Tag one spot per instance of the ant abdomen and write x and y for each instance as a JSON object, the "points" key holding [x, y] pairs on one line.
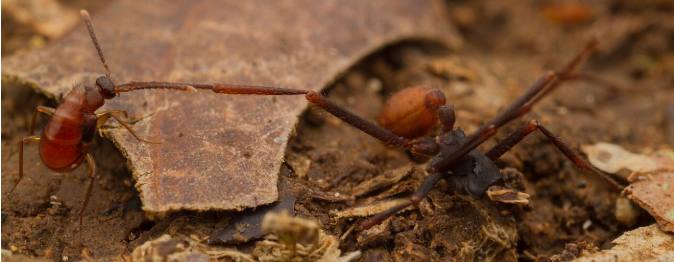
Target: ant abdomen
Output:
{"points": [[60, 146], [411, 112]]}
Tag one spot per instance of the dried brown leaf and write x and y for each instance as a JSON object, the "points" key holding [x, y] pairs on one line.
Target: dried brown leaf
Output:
{"points": [[656, 197]]}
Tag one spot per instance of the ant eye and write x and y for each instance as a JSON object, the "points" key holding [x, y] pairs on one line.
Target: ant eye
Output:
{"points": [[107, 88]]}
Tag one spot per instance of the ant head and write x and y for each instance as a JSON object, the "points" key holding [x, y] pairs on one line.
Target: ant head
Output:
{"points": [[106, 87]]}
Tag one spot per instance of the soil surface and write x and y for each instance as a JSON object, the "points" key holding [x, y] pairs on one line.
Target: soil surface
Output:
{"points": [[508, 45]]}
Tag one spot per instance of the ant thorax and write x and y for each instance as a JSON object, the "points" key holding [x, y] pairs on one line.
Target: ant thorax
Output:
{"points": [[93, 99], [473, 173]]}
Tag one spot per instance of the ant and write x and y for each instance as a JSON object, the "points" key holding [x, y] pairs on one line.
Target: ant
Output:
{"points": [[66, 138], [414, 111]]}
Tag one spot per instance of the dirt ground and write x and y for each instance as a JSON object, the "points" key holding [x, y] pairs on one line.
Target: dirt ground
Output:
{"points": [[507, 46]]}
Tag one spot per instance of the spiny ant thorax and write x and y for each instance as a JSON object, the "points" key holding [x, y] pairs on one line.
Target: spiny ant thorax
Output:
{"points": [[474, 173]]}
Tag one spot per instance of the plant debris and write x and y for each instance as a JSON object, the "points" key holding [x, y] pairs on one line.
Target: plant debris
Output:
{"points": [[248, 225], [571, 251], [166, 248], [387, 179], [653, 192], [643, 244], [507, 195], [612, 158], [375, 208], [300, 239], [657, 197]]}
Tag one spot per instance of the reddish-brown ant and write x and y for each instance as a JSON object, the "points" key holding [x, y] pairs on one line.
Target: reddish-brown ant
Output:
{"points": [[65, 141]]}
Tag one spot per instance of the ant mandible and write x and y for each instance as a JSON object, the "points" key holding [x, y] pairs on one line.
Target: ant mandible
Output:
{"points": [[414, 111]]}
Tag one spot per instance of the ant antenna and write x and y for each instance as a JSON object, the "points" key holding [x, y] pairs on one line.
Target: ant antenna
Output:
{"points": [[87, 21]]}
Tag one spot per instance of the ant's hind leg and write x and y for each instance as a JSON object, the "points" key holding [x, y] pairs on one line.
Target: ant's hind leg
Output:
{"points": [[43, 109], [416, 198], [107, 115], [531, 126], [92, 174], [23, 141]]}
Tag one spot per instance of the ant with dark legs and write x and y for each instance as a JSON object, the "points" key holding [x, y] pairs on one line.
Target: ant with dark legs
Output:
{"points": [[414, 111]]}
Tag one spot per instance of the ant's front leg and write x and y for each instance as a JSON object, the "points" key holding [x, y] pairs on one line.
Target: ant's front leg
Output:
{"points": [[104, 116], [531, 126]]}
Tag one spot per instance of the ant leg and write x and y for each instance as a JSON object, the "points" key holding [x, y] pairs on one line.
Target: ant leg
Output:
{"points": [[529, 127], [23, 141], [92, 174], [105, 116], [515, 137], [357, 121], [114, 112], [100, 119], [43, 109], [416, 198], [542, 87]]}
